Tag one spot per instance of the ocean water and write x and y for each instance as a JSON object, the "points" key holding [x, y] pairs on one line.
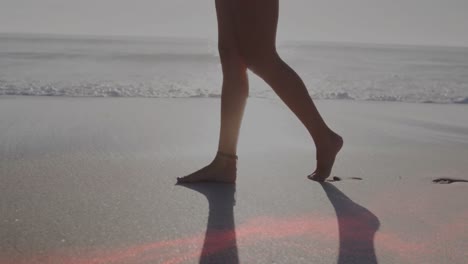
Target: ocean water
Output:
{"points": [[35, 65]]}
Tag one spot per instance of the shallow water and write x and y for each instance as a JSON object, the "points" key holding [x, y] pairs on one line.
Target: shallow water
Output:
{"points": [[90, 66]]}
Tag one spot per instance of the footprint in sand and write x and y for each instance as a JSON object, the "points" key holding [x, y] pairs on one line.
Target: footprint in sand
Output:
{"points": [[447, 180], [336, 178]]}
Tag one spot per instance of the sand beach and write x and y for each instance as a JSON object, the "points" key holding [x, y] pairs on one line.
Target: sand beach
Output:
{"points": [[92, 180]]}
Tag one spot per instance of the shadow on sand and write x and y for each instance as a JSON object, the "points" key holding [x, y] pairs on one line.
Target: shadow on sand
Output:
{"points": [[220, 245], [357, 227]]}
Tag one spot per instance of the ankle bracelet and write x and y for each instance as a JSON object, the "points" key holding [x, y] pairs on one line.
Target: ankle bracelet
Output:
{"points": [[225, 155]]}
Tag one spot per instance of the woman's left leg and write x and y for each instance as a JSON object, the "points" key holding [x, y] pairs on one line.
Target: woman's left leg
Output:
{"points": [[256, 23]]}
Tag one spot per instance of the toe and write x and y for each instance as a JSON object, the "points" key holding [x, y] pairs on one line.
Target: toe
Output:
{"points": [[185, 179], [316, 176]]}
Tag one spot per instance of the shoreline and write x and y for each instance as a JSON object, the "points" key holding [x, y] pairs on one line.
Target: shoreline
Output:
{"points": [[462, 102]]}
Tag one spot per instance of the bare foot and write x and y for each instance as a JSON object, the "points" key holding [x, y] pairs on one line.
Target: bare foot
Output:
{"points": [[326, 158], [222, 169]]}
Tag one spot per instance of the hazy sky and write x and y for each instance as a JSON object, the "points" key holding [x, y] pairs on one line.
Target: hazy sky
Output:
{"points": [[428, 22]]}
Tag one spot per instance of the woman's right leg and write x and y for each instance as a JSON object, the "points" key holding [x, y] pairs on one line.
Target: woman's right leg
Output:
{"points": [[235, 88], [233, 100]]}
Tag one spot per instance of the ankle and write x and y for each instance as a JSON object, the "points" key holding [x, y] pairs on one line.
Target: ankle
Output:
{"points": [[225, 160], [226, 155]]}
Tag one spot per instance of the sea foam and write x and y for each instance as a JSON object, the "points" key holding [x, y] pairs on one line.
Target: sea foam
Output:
{"points": [[175, 68]]}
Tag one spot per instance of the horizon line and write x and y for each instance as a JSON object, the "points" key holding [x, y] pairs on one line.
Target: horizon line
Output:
{"points": [[207, 39]]}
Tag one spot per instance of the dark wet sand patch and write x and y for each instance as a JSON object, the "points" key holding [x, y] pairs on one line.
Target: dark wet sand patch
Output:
{"points": [[447, 180], [336, 178]]}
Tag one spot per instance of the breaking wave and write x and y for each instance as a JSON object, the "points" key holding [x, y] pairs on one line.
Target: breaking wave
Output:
{"points": [[180, 68], [174, 90]]}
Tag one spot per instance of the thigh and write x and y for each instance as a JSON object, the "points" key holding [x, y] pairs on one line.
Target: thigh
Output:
{"points": [[256, 24], [227, 36]]}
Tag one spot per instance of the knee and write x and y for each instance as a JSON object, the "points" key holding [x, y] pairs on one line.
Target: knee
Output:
{"points": [[230, 55], [262, 63]]}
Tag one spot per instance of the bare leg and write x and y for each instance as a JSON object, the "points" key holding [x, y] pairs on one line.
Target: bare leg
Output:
{"points": [[235, 88], [256, 22], [233, 100]]}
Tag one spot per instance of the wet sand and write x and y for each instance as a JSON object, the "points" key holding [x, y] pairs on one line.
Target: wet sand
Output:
{"points": [[92, 180]]}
